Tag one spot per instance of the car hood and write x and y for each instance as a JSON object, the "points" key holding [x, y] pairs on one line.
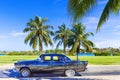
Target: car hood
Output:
{"points": [[27, 61]]}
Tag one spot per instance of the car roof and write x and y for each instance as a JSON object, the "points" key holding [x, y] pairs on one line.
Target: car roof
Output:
{"points": [[52, 54]]}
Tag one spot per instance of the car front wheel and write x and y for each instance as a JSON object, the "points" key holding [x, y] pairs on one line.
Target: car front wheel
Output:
{"points": [[70, 73], [25, 72]]}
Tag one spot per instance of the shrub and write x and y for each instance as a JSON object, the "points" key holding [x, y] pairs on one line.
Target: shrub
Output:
{"points": [[105, 53], [55, 51], [25, 53], [116, 53]]}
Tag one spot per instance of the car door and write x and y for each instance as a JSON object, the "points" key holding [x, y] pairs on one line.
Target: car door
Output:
{"points": [[57, 63], [45, 63]]}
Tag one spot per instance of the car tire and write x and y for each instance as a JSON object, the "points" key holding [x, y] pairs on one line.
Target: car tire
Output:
{"points": [[70, 73], [25, 72]]}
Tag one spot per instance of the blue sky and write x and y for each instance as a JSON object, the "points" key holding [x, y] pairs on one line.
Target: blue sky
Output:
{"points": [[14, 14]]}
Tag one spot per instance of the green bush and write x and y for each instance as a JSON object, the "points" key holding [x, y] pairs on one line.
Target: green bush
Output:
{"points": [[55, 51], [116, 53], [25, 53], [15, 53], [98, 53], [107, 53]]}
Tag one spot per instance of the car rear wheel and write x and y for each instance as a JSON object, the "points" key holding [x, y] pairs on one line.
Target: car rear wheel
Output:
{"points": [[70, 73], [25, 72]]}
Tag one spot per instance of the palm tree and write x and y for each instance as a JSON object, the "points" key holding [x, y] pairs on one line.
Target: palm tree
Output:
{"points": [[79, 38], [78, 8], [38, 33], [62, 35]]}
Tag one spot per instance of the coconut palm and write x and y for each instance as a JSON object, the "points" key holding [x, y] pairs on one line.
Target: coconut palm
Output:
{"points": [[79, 38], [62, 35], [78, 8], [38, 33]]}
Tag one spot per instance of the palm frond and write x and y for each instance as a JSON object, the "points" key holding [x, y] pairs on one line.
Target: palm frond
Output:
{"points": [[56, 38], [113, 6], [74, 48], [58, 44], [86, 35], [45, 40], [29, 36], [70, 42], [39, 32], [44, 20], [27, 29], [33, 42], [78, 38], [48, 27], [91, 43], [78, 8], [87, 46], [32, 24]]}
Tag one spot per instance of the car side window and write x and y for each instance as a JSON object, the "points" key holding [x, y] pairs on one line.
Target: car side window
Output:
{"points": [[46, 58], [56, 58]]}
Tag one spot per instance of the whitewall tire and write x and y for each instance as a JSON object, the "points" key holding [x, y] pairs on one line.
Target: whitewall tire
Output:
{"points": [[70, 73], [25, 72]]}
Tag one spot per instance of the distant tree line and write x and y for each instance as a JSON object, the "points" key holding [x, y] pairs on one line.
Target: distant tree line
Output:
{"points": [[96, 51]]}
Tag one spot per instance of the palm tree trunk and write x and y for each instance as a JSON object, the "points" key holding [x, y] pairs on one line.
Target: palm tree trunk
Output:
{"points": [[74, 48], [78, 50], [64, 45], [40, 45]]}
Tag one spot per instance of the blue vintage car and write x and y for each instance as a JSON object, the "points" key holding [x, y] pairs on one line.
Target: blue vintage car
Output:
{"points": [[51, 62]]}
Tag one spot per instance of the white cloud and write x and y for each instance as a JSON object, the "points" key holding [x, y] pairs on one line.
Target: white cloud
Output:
{"points": [[3, 36], [91, 20], [117, 33], [91, 23], [117, 27], [116, 30], [11, 34], [18, 34], [108, 43]]}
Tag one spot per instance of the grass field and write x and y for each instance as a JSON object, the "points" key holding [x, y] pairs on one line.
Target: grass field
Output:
{"points": [[97, 60]]}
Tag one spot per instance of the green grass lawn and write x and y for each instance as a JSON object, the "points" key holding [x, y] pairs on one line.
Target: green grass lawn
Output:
{"points": [[97, 60], [101, 60]]}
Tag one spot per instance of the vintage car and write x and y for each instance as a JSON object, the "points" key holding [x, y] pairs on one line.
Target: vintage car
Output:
{"points": [[51, 62]]}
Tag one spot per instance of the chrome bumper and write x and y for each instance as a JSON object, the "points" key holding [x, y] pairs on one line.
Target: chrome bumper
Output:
{"points": [[15, 69]]}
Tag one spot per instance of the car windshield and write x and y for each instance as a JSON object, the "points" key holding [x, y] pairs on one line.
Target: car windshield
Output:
{"points": [[38, 58], [67, 59]]}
